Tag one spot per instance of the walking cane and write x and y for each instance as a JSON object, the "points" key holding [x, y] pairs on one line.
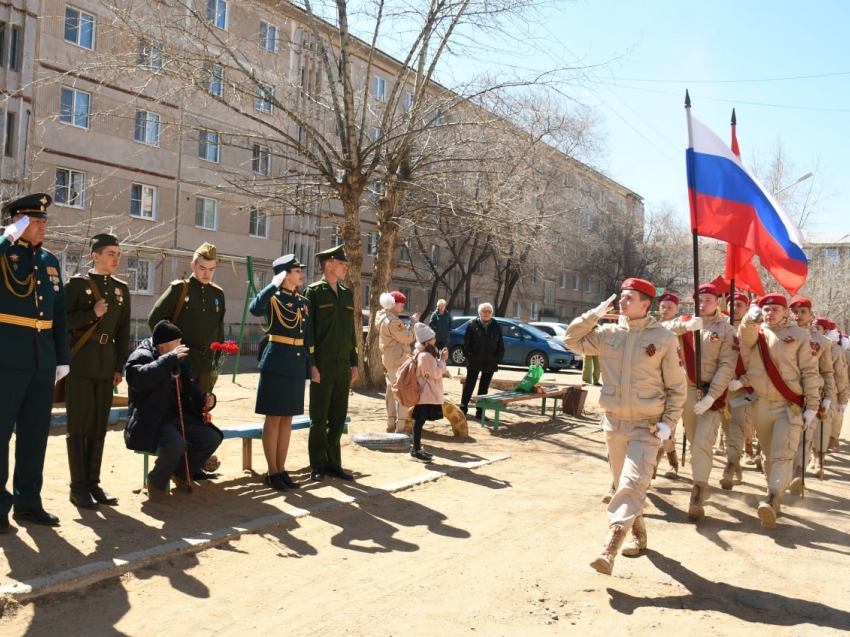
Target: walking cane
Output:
{"points": [[821, 455], [183, 433]]}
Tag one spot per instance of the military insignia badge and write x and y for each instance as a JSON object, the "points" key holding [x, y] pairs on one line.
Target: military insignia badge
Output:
{"points": [[815, 347], [400, 325], [216, 305], [788, 339], [88, 290], [14, 258], [650, 349], [714, 337], [681, 359], [736, 344], [186, 300]]}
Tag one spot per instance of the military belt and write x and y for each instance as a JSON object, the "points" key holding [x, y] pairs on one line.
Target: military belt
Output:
{"points": [[39, 324], [101, 339], [286, 340]]}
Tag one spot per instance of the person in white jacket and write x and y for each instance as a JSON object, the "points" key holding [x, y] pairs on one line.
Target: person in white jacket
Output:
{"points": [[395, 340]]}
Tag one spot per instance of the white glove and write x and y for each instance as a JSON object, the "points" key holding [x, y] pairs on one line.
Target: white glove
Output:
{"points": [[693, 324], [735, 384], [841, 408], [834, 336], [825, 403], [606, 306], [663, 431], [62, 371], [754, 312], [16, 229], [845, 342], [704, 405], [809, 416], [278, 279]]}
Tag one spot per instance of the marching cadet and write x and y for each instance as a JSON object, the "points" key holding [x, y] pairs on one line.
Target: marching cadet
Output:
{"points": [[829, 427], [396, 345], [196, 306], [668, 307], [36, 354], [783, 371], [98, 307], [334, 366], [801, 312], [643, 396]]}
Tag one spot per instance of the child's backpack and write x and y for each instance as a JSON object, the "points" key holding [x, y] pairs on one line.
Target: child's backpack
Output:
{"points": [[406, 385]]}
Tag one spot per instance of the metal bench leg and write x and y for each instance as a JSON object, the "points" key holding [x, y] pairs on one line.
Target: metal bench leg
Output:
{"points": [[145, 470], [543, 408], [246, 454], [496, 420]]}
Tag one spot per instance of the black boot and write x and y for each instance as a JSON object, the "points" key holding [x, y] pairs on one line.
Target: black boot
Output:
{"points": [[95, 458], [80, 495]]}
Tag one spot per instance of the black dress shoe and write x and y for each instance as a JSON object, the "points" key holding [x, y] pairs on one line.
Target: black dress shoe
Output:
{"points": [[289, 481], [4, 523], [39, 516], [317, 475], [203, 474], [339, 472], [275, 481]]}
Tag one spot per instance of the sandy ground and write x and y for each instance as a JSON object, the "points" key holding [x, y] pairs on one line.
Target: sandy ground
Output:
{"points": [[499, 550]]}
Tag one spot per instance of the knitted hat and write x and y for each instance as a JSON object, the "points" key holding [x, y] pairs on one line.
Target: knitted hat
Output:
{"points": [[165, 332], [423, 333], [387, 301]]}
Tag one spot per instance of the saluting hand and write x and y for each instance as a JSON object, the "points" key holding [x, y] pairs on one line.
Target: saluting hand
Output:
{"points": [[100, 308], [606, 306]]}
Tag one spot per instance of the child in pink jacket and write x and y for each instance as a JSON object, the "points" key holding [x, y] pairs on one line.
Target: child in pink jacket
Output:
{"points": [[430, 367]]}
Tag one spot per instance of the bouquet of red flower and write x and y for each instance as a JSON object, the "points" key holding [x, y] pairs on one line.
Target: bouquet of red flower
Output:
{"points": [[221, 351]]}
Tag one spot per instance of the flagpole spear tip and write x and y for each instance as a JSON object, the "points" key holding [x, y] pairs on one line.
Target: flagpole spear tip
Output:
{"points": [[734, 119], [687, 99]]}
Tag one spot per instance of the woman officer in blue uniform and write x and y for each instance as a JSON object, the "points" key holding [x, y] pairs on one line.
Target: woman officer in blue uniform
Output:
{"points": [[285, 364]]}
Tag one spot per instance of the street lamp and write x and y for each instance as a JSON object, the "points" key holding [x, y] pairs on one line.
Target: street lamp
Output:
{"points": [[803, 178]]}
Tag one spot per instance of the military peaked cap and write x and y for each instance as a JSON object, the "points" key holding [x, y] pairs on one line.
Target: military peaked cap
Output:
{"points": [[33, 205], [337, 253]]}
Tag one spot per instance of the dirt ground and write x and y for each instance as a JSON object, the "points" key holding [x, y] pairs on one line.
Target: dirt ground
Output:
{"points": [[503, 549]]}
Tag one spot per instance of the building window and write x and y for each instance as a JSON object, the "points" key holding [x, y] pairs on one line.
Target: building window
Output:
{"points": [[575, 282], [336, 236], [535, 275], [74, 107], [268, 36], [209, 145], [549, 293], [832, 255], [404, 253], [587, 284], [438, 117], [151, 56], [376, 134], [212, 80], [206, 213], [562, 281], [14, 39], [263, 96], [139, 278], [143, 201], [379, 88], [70, 264], [70, 188], [589, 220], [575, 253], [434, 254], [217, 13], [260, 163], [407, 296], [372, 244], [516, 310], [376, 191], [534, 311], [366, 296], [79, 28], [258, 226], [9, 135], [476, 301], [599, 286], [262, 279], [408, 102], [147, 128]]}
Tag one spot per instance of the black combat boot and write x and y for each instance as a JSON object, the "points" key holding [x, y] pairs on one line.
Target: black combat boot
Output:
{"points": [[95, 459]]}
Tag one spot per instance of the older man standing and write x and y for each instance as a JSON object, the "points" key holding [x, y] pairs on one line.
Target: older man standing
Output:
{"points": [[643, 397], [395, 340], [441, 323]]}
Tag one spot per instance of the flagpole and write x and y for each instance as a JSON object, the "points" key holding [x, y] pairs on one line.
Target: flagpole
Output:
{"points": [[692, 196], [734, 252]]}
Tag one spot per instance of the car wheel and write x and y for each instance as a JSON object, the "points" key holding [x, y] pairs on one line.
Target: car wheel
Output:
{"points": [[538, 358], [456, 356]]}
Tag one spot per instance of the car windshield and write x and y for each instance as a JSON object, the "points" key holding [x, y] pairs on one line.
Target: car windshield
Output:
{"points": [[537, 332]]}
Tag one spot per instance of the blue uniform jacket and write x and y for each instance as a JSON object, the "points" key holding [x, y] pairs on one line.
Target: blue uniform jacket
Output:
{"points": [[287, 315]]}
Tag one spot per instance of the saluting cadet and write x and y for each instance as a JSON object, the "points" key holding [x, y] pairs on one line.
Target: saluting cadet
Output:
{"points": [[824, 435], [783, 371], [643, 396], [395, 340], [285, 364], [334, 363], [98, 307], [36, 355], [196, 306]]}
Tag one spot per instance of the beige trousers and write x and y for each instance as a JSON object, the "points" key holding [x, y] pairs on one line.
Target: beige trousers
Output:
{"points": [[701, 432], [739, 424], [779, 430], [837, 422], [396, 412]]}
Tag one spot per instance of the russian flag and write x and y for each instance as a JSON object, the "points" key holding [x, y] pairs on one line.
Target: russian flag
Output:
{"points": [[728, 203]]}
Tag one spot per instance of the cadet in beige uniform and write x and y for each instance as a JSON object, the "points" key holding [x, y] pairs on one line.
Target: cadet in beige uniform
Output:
{"points": [[668, 307], [824, 433], [839, 419], [785, 378], [642, 396], [395, 340]]}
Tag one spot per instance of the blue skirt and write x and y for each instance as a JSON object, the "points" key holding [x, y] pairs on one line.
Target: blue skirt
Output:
{"points": [[279, 395]]}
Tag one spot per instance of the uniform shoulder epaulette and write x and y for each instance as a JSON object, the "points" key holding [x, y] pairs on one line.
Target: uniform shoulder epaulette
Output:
{"points": [[79, 275], [315, 284], [216, 286], [176, 281], [117, 280], [50, 253]]}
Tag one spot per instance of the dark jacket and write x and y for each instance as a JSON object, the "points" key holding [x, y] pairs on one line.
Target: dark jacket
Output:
{"points": [[483, 346], [152, 396], [442, 325]]}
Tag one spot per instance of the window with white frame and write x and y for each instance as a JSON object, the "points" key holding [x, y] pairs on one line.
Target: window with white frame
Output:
{"points": [[376, 191], [587, 284], [376, 133], [74, 107], [408, 296], [379, 88], [258, 225], [143, 201], [151, 55], [372, 244], [262, 279], [833, 255], [79, 27], [562, 281], [70, 188], [139, 275], [260, 163], [147, 128], [408, 102], [476, 301], [549, 293], [336, 236], [366, 296], [212, 80], [516, 309], [438, 117], [206, 213], [209, 145], [434, 254], [534, 311], [70, 264], [14, 43], [217, 13], [9, 135], [575, 282], [268, 36], [404, 253], [263, 97]]}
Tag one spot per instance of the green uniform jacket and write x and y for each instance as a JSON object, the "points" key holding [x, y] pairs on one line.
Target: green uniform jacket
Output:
{"points": [[332, 324], [27, 347], [201, 318], [285, 359], [102, 357]]}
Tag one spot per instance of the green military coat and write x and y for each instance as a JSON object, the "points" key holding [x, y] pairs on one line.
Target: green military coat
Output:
{"points": [[332, 324]]}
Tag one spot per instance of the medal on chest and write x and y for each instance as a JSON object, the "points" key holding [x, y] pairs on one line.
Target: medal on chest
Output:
{"points": [[216, 305]]}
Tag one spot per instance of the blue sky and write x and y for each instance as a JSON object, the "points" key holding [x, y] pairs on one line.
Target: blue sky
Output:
{"points": [[721, 51]]}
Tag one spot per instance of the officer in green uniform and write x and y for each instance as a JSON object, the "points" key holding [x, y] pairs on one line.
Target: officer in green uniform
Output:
{"points": [[196, 306], [334, 362], [98, 307], [35, 354]]}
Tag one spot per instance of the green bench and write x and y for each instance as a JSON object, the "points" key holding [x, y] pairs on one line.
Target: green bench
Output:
{"points": [[502, 400]]}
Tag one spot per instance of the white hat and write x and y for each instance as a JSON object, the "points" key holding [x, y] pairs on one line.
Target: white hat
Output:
{"points": [[423, 333], [387, 301]]}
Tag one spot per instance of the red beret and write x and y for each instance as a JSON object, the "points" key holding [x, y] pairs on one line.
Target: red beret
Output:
{"points": [[832, 324], [801, 301], [823, 322], [773, 299], [398, 297], [640, 285], [740, 296], [669, 296], [708, 288]]}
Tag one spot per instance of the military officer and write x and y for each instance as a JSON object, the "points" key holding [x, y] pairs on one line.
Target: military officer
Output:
{"points": [[395, 340], [334, 362], [98, 306], [642, 397], [783, 371], [196, 306], [824, 436], [35, 354]]}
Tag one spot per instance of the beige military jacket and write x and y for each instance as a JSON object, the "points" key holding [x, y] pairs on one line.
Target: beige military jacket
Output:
{"points": [[395, 339], [641, 367], [719, 351], [822, 347], [842, 386], [791, 349]]}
